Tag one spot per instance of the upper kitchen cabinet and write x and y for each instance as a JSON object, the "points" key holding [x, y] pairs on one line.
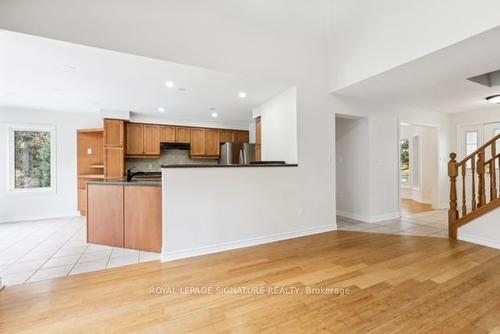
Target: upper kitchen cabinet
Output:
{"points": [[183, 135], [151, 144], [143, 139], [241, 137], [226, 136], [114, 152], [205, 143], [113, 133], [198, 142], [212, 143], [167, 134]]}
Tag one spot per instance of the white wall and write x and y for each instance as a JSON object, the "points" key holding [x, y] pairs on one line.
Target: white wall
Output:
{"points": [[208, 210], [351, 168], [427, 189], [64, 201], [483, 231], [279, 127], [278, 40], [370, 37], [383, 150]]}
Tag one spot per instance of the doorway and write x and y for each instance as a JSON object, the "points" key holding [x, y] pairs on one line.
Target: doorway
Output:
{"points": [[418, 172]]}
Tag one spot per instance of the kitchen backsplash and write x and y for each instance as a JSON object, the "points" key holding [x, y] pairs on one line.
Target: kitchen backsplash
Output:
{"points": [[167, 157]]}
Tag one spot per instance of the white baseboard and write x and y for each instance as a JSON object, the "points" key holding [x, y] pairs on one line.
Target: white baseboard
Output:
{"points": [[369, 219], [479, 240], [217, 248], [17, 219]]}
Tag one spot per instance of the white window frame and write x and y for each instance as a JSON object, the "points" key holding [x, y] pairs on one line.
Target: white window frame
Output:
{"points": [[410, 158], [11, 184]]}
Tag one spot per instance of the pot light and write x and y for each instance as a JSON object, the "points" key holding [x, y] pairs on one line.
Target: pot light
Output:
{"points": [[242, 95], [215, 115], [169, 84], [494, 99], [162, 110]]}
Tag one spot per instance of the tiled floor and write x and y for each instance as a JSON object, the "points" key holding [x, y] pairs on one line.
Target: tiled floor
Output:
{"points": [[430, 224], [38, 250]]}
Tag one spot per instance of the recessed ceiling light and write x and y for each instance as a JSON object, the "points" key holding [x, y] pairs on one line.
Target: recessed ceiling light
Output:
{"points": [[494, 99], [162, 110], [242, 95], [169, 84], [215, 115], [69, 67]]}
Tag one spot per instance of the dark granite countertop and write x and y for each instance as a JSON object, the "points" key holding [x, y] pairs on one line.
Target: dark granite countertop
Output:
{"points": [[228, 166], [131, 183]]}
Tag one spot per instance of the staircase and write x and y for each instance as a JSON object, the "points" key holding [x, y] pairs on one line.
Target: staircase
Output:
{"points": [[477, 178]]}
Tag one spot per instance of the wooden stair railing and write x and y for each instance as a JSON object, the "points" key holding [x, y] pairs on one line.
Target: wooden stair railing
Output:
{"points": [[482, 164]]}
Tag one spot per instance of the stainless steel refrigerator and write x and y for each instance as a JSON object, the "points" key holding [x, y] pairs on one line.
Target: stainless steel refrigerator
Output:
{"points": [[233, 154]]}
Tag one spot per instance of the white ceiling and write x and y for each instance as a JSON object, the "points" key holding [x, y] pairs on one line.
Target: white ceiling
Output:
{"points": [[438, 81], [48, 74]]}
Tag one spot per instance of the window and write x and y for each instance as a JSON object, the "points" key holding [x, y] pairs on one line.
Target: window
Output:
{"points": [[31, 159], [471, 144], [405, 162]]}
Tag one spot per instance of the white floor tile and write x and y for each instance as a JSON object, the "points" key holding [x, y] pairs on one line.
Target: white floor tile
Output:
{"points": [[88, 267], [61, 261], [122, 261], [66, 251], [95, 256], [147, 256], [50, 273], [21, 267], [13, 279], [97, 248], [119, 252]]}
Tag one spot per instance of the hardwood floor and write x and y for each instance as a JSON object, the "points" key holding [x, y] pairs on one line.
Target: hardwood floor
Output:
{"points": [[397, 284], [411, 207]]}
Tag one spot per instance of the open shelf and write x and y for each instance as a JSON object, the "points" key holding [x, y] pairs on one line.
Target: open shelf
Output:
{"points": [[91, 176]]}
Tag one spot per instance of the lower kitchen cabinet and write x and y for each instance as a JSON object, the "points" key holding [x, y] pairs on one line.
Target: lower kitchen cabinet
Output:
{"points": [[127, 216], [142, 218], [105, 214]]}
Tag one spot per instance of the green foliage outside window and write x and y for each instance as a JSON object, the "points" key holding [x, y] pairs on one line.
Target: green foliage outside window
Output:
{"points": [[32, 159]]}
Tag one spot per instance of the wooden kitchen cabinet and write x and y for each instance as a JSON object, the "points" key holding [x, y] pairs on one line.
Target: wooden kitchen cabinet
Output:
{"points": [[226, 136], [114, 162], [105, 214], [151, 140], [198, 142], [127, 216], [135, 133], [183, 135], [114, 132], [167, 134], [143, 139], [212, 143], [142, 218], [241, 137]]}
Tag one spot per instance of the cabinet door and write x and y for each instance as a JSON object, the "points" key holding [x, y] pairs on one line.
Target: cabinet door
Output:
{"points": [[258, 153], [198, 142], [142, 218], [151, 144], [114, 162], [226, 136], [113, 132], [241, 137], [258, 131], [183, 135], [213, 144], [105, 215], [167, 134], [135, 139]]}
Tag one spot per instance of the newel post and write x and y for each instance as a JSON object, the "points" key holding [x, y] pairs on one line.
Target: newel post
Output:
{"points": [[453, 212]]}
